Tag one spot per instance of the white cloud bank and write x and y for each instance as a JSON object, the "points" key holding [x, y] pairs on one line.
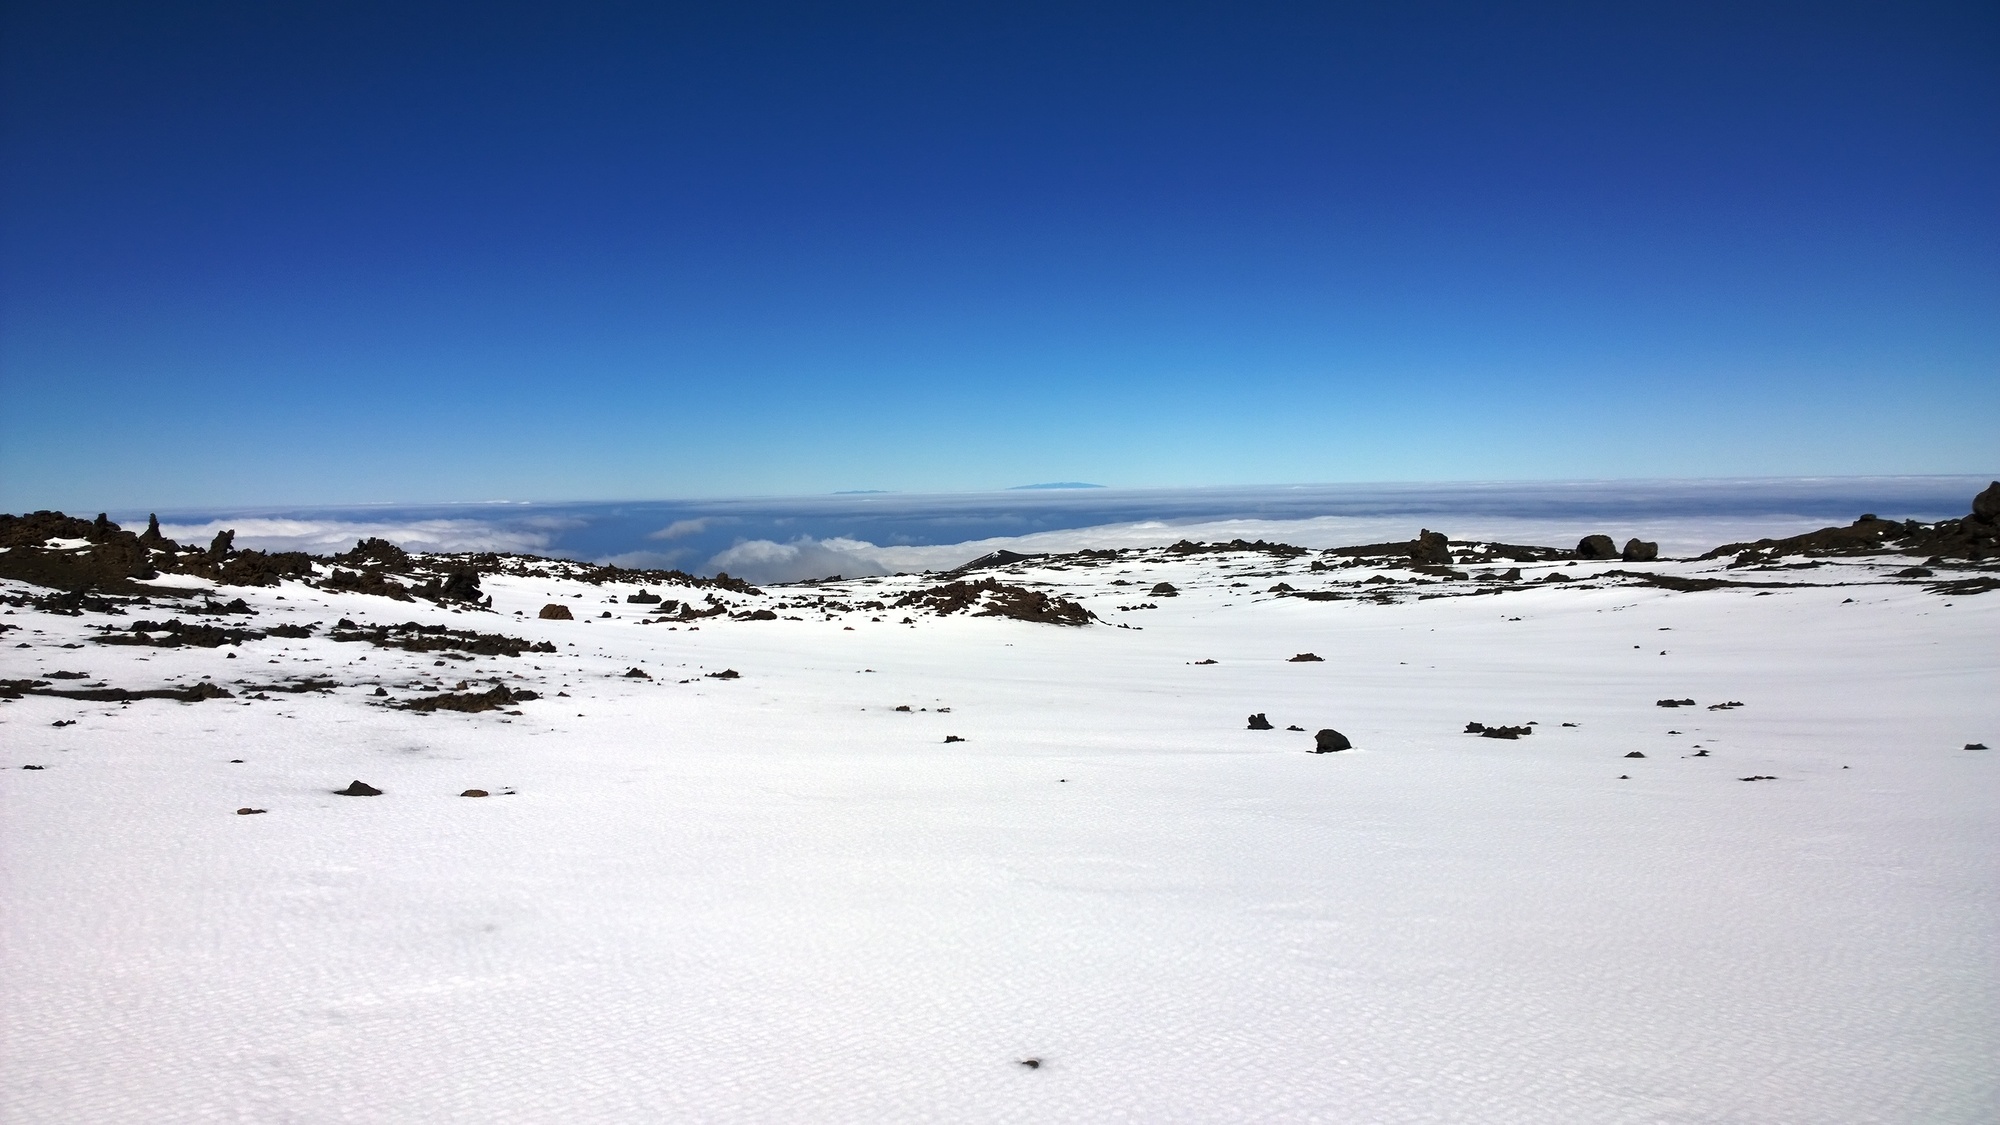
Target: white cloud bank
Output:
{"points": [[322, 537], [767, 561]]}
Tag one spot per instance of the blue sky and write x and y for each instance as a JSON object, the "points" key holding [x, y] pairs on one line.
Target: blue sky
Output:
{"points": [[344, 253]]}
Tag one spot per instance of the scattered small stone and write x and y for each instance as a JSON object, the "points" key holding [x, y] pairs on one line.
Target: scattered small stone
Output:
{"points": [[1758, 777], [1032, 1064], [1729, 706], [726, 674], [1296, 727], [1701, 753], [1975, 746], [1204, 662], [63, 723], [1569, 724], [34, 767], [1624, 777], [359, 789], [1305, 658], [1164, 590], [248, 812], [637, 674], [1673, 703], [380, 692], [1259, 722], [902, 707], [1330, 741], [1635, 754], [475, 793], [949, 738]]}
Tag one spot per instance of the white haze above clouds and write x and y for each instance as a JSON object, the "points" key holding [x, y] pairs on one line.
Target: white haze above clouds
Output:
{"points": [[767, 561], [321, 537]]}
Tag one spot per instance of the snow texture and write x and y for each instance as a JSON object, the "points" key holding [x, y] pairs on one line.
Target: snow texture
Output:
{"points": [[783, 898]]}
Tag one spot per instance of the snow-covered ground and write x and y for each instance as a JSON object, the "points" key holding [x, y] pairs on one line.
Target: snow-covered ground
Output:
{"points": [[780, 897]]}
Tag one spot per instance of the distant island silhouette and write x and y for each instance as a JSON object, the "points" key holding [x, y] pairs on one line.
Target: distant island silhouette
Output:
{"points": [[1054, 484]]}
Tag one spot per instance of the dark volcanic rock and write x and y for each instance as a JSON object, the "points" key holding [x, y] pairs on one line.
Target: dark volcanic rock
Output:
{"points": [[465, 702], [1638, 550], [1305, 658], [1259, 722], [1164, 590], [1596, 547], [1635, 754], [1673, 703], [643, 597], [474, 793], [997, 600], [1508, 733], [726, 674], [359, 788], [1430, 548], [1986, 505], [637, 674], [554, 612], [413, 637], [1330, 741]]}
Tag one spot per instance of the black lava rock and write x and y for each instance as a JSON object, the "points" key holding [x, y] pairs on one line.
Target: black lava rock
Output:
{"points": [[1259, 722], [359, 789], [1330, 741]]}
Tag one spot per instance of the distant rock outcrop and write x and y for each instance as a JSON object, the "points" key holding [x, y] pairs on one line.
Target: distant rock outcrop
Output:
{"points": [[1596, 547], [1430, 548], [1330, 741], [1638, 550]]}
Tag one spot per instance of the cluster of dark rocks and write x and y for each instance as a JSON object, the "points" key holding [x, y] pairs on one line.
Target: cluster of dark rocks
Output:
{"points": [[989, 597]]}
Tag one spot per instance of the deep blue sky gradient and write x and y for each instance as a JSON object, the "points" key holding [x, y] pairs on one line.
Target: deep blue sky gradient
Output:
{"points": [[316, 253]]}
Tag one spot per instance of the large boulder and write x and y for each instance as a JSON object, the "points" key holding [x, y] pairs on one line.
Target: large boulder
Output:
{"points": [[1430, 548], [1638, 550], [555, 612], [1596, 547], [1330, 741], [1986, 505]]}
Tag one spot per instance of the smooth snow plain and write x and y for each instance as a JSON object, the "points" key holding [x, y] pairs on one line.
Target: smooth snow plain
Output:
{"points": [[781, 899]]}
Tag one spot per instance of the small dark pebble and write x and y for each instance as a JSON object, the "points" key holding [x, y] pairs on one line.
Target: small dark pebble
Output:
{"points": [[1968, 746], [235, 761], [726, 674], [63, 723], [34, 767], [1701, 753], [1758, 777], [474, 793], [1635, 754], [359, 789], [1673, 703], [1296, 727], [953, 738], [381, 691], [1032, 1064], [1259, 722], [1305, 658], [248, 812], [1624, 777]]}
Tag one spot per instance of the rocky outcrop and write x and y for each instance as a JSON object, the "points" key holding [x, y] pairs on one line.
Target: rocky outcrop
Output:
{"points": [[1638, 550], [1430, 548], [1596, 547]]}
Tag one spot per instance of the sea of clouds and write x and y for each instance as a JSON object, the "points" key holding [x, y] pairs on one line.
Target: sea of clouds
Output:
{"points": [[771, 540]]}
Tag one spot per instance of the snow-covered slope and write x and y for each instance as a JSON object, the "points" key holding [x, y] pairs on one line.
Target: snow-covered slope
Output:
{"points": [[790, 895]]}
